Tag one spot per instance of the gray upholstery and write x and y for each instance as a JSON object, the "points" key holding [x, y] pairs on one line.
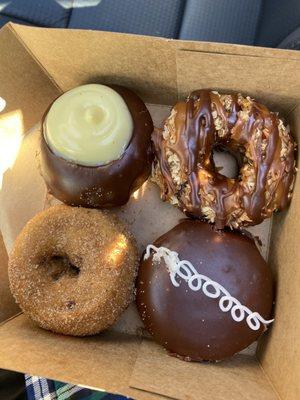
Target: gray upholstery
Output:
{"points": [[39, 12], [146, 17], [260, 22], [4, 20], [233, 21], [292, 41], [279, 18]]}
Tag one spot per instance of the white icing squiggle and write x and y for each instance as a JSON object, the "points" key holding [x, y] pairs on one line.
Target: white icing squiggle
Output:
{"points": [[186, 271]]}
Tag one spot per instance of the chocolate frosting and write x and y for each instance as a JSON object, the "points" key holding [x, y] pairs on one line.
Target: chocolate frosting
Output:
{"points": [[258, 137], [188, 323], [104, 185]]}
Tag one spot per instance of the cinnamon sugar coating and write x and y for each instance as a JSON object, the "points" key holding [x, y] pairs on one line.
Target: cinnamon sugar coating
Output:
{"points": [[72, 270]]}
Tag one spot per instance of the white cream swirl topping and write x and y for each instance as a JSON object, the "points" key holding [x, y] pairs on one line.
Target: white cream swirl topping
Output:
{"points": [[90, 125], [183, 269]]}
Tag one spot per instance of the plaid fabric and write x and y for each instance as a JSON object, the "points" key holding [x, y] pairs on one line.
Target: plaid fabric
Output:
{"points": [[39, 388]]}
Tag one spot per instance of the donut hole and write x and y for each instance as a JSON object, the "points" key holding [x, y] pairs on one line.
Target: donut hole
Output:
{"points": [[71, 304], [226, 162], [58, 266]]}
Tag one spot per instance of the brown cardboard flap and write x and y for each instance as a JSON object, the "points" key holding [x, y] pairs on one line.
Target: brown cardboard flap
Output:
{"points": [[236, 49], [121, 364], [24, 85], [8, 306], [28, 194], [280, 353], [103, 361], [272, 81], [75, 57], [239, 378]]}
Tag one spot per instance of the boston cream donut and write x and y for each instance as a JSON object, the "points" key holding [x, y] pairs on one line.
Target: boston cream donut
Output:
{"points": [[204, 294], [95, 145], [72, 270], [263, 146], [89, 125]]}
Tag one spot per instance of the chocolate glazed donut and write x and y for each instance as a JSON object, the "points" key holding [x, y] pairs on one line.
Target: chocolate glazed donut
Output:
{"points": [[107, 185], [186, 173], [188, 323]]}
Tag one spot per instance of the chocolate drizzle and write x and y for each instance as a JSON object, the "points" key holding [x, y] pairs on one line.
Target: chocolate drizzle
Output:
{"points": [[243, 127], [200, 138]]}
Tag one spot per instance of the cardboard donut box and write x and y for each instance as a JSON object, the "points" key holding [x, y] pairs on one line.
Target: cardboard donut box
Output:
{"points": [[36, 65]]}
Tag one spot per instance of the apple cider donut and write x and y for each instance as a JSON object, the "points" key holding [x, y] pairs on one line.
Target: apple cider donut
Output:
{"points": [[72, 270]]}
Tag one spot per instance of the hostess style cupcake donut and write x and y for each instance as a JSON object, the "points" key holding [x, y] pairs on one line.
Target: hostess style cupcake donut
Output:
{"points": [[186, 173], [96, 146], [204, 294], [72, 270]]}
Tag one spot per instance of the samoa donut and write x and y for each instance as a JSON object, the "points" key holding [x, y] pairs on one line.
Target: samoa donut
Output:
{"points": [[72, 270], [184, 167]]}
